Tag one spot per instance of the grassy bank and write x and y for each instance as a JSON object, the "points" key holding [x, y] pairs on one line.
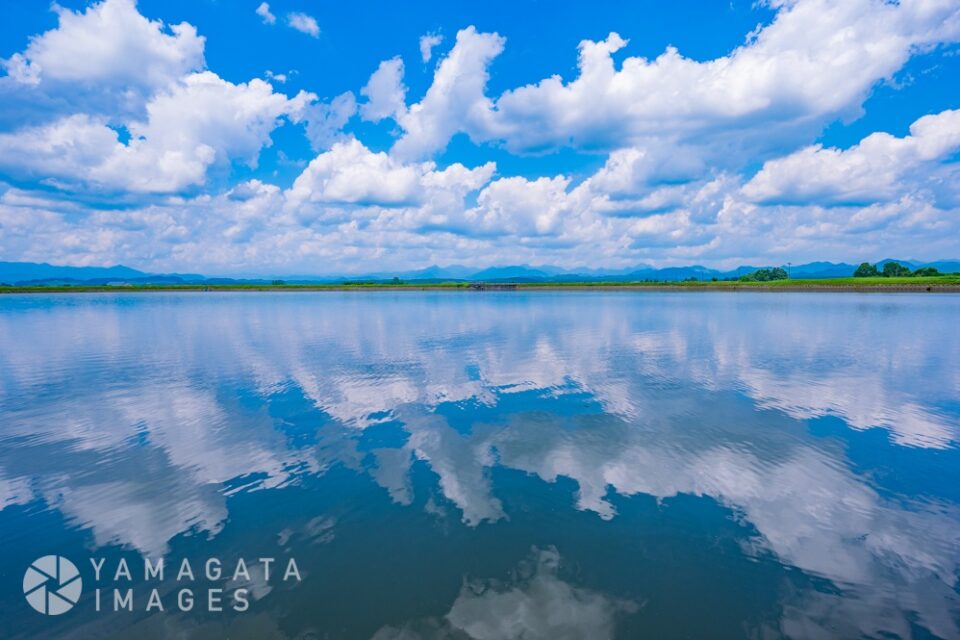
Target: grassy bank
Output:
{"points": [[931, 283]]}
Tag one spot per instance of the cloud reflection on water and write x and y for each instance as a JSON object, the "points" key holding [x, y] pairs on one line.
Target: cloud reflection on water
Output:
{"points": [[150, 409]]}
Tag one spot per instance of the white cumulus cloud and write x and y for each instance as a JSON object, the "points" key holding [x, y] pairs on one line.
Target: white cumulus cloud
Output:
{"points": [[817, 61], [349, 173], [110, 43], [325, 120], [427, 43], [304, 23], [197, 122], [385, 92], [264, 12], [455, 100], [880, 168]]}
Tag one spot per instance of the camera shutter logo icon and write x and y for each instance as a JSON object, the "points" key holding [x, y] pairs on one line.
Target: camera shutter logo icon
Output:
{"points": [[52, 585]]}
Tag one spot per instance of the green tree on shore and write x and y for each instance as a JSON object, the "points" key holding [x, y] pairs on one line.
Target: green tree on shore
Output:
{"points": [[765, 275], [892, 270], [895, 270], [866, 270]]}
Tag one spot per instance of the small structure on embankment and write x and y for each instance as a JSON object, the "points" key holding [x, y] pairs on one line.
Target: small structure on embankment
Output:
{"points": [[497, 286]]}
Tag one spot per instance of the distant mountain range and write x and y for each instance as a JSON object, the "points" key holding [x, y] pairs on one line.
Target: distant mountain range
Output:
{"points": [[32, 273], [35, 273]]}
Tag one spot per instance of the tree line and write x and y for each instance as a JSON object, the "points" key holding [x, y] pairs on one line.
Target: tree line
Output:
{"points": [[866, 270], [765, 275], [892, 270]]}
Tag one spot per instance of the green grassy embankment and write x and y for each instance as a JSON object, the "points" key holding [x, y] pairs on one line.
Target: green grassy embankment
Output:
{"points": [[911, 283]]}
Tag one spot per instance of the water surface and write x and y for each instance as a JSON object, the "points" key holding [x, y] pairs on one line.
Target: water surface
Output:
{"points": [[490, 465]]}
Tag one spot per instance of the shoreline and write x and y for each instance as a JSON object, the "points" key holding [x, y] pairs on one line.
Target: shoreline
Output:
{"points": [[952, 286]]}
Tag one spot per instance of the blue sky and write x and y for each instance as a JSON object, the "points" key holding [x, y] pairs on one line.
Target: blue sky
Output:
{"points": [[296, 137]]}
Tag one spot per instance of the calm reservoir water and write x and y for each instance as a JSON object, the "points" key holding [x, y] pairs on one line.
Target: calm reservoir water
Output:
{"points": [[552, 465]]}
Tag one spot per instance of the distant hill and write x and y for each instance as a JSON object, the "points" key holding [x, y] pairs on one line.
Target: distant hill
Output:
{"points": [[822, 270], [510, 273], [31, 273], [41, 273], [21, 271], [674, 273], [434, 272], [943, 266]]}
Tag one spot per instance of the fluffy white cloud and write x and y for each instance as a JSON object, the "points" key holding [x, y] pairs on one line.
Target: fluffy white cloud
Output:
{"points": [[111, 44], [64, 149], [363, 213], [139, 117], [880, 168], [264, 12], [304, 23], [817, 61], [427, 43], [455, 101], [199, 121], [518, 205], [351, 174], [385, 93], [325, 120], [276, 77], [635, 171], [234, 119]]}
